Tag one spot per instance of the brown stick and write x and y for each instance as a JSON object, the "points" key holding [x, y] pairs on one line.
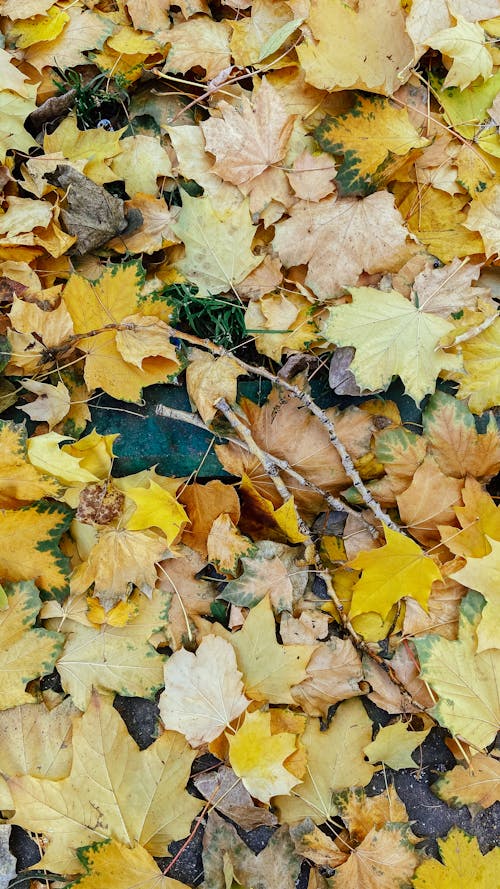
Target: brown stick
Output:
{"points": [[306, 399]]}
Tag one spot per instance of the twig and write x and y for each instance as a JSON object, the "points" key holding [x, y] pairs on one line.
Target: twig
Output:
{"points": [[333, 502], [306, 399], [271, 469]]}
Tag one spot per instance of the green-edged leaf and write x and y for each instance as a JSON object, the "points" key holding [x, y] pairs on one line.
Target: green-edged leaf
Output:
{"points": [[29, 546]]}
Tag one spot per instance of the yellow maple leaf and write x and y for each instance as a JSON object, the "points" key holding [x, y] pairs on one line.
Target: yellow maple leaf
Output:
{"points": [[257, 756], [251, 35], [483, 574], [27, 653], [394, 745], [29, 550], [209, 378], [141, 160], [391, 336], [44, 453], [48, 27], [20, 480], [117, 561], [200, 41], [113, 865], [368, 135], [95, 146], [85, 30], [465, 45], [481, 381], [400, 568], [483, 217], [22, 215], [479, 518], [475, 784], [156, 508], [269, 669], [385, 859], [335, 761], [14, 109], [259, 511], [280, 323], [464, 679], [203, 691], [46, 739], [218, 244], [110, 300], [365, 47], [438, 220], [461, 865], [248, 140], [92, 802]]}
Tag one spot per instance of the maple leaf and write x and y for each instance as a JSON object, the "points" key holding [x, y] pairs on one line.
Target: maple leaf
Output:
{"points": [[438, 220], [141, 161], [96, 147], [113, 298], [455, 442], [155, 231], [464, 44], [338, 660], [339, 238], [399, 568], [288, 320], [218, 242], [209, 378], [363, 48], [447, 289], [269, 669], [201, 41], [246, 142], [479, 518], [257, 756], [464, 679], [366, 152], [113, 658], [276, 865], [156, 508], [391, 336], [113, 865], [20, 480], [44, 453], [429, 500], [334, 761], [204, 504], [14, 109], [481, 357], [29, 546], [269, 569], [476, 785], [483, 575], [251, 35], [51, 404], [361, 812], [226, 545], [394, 745], [28, 652], [92, 802], [37, 741], [86, 30], [462, 865], [203, 691], [385, 859], [230, 797]]}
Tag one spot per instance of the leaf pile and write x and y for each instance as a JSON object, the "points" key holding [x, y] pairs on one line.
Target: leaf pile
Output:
{"points": [[313, 184]]}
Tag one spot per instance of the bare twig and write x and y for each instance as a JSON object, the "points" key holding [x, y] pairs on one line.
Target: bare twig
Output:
{"points": [[333, 502], [324, 419]]}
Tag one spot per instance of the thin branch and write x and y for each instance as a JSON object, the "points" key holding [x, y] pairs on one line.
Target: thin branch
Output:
{"points": [[306, 399], [333, 502]]}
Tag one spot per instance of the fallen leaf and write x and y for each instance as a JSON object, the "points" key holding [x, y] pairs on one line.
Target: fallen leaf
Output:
{"points": [[257, 756], [141, 161], [462, 864], [20, 480], [270, 569], [269, 669], [385, 859], [204, 504], [479, 519], [365, 47], [203, 691], [209, 378], [455, 443], [447, 289], [394, 745], [481, 357], [367, 149], [334, 674], [339, 238], [247, 141], [226, 545], [37, 741], [156, 508], [90, 804], [391, 336], [464, 679], [51, 404], [29, 546], [421, 510], [118, 560], [483, 575], [113, 865], [400, 568], [230, 797], [218, 244], [464, 43], [28, 652], [476, 784], [335, 761]]}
